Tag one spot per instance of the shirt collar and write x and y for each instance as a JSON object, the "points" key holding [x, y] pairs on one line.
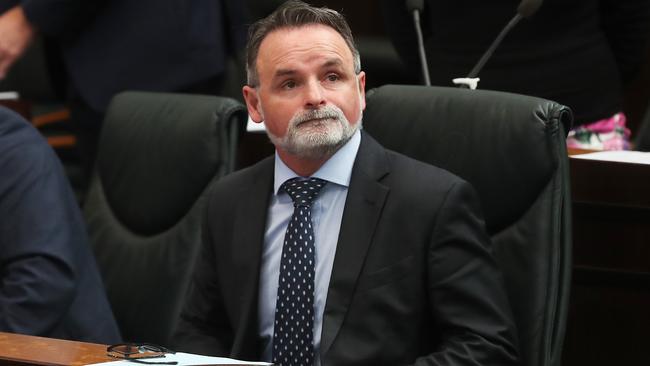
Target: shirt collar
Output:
{"points": [[337, 169]]}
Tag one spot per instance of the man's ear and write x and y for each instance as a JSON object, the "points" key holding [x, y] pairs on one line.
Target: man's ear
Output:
{"points": [[253, 104], [362, 88]]}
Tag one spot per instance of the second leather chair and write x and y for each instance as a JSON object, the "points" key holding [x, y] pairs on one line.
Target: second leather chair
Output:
{"points": [[158, 156]]}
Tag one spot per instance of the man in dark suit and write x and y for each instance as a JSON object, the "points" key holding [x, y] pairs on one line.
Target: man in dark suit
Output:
{"points": [[402, 271], [49, 282]]}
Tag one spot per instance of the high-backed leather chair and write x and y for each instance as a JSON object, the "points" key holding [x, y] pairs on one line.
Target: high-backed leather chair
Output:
{"points": [[158, 155], [512, 149]]}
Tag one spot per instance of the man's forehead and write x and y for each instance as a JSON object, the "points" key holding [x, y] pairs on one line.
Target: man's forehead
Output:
{"points": [[285, 50], [306, 37]]}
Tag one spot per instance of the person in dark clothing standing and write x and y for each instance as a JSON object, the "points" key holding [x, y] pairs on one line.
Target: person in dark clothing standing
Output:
{"points": [[117, 45]]}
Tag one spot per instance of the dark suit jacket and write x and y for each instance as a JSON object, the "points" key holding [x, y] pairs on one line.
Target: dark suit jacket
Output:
{"points": [[49, 282], [158, 45], [413, 280]]}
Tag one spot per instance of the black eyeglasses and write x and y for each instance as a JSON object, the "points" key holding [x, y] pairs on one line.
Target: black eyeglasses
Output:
{"points": [[139, 353]]}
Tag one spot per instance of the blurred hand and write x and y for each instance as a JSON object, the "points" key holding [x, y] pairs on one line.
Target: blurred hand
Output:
{"points": [[16, 34]]}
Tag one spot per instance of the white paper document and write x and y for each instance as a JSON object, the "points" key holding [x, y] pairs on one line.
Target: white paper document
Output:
{"points": [[186, 359], [636, 157]]}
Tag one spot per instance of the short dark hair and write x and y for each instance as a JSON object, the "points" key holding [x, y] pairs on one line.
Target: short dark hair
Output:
{"points": [[294, 13]]}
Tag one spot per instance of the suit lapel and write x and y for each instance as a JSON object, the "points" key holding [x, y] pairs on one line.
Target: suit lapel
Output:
{"points": [[363, 206], [248, 239]]}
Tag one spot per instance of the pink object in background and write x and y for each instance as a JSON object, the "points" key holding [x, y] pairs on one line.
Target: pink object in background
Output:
{"points": [[605, 134]]}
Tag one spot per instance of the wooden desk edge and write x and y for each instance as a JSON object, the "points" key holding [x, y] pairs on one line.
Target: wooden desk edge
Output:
{"points": [[19, 349]]}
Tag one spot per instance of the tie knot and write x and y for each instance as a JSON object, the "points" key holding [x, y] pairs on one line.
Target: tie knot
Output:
{"points": [[303, 192]]}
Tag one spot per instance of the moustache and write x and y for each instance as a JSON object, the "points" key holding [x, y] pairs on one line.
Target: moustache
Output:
{"points": [[318, 114]]}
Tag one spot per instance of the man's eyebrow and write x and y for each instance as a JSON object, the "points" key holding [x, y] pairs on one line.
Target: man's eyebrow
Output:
{"points": [[333, 62], [284, 72]]}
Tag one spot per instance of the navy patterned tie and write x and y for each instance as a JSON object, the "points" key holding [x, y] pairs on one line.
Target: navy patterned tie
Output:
{"points": [[293, 333]]}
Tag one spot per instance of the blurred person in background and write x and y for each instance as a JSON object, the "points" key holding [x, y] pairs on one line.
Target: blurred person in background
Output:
{"points": [[111, 46]]}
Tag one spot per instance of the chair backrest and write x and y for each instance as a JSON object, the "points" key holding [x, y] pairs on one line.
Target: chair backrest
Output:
{"points": [[158, 155], [512, 149]]}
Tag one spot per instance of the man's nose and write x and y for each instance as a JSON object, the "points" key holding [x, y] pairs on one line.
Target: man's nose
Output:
{"points": [[314, 95]]}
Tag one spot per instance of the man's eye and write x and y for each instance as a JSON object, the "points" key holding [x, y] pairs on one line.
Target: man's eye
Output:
{"points": [[289, 84], [332, 77]]}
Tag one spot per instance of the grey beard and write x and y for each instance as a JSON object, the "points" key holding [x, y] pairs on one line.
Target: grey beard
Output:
{"points": [[318, 141]]}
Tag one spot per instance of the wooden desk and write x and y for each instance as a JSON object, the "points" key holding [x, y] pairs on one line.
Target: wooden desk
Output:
{"points": [[17, 349], [609, 314]]}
